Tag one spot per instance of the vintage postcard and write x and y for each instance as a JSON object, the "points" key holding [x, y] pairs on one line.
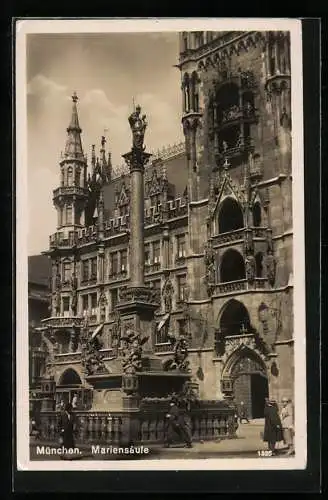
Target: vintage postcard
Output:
{"points": [[160, 245]]}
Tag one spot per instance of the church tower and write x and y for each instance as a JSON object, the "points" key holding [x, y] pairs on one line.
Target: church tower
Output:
{"points": [[70, 198]]}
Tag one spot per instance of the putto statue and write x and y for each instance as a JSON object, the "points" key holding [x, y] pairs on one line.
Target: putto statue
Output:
{"points": [[138, 126], [132, 344], [91, 356], [180, 359]]}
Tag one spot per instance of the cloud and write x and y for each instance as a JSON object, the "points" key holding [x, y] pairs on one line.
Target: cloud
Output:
{"points": [[42, 86], [167, 36]]}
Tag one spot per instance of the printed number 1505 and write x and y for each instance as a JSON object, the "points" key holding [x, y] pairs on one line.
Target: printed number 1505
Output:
{"points": [[264, 453]]}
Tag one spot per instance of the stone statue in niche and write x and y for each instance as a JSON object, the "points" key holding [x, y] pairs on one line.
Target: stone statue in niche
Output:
{"points": [[270, 267], [167, 292], [209, 259], [250, 266]]}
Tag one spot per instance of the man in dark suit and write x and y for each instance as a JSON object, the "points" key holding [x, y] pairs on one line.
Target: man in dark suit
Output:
{"points": [[66, 427], [176, 425]]}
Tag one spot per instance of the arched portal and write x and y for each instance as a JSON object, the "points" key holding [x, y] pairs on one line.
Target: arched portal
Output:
{"points": [[234, 319], [230, 216], [232, 266], [250, 382], [70, 378]]}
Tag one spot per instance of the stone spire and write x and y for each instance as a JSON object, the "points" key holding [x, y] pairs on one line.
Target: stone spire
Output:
{"points": [[73, 147]]}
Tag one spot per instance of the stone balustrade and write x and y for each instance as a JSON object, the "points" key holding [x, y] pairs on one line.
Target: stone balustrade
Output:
{"points": [[208, 420], [238, 235], [231, 286], [70, 190], [63, 322]]}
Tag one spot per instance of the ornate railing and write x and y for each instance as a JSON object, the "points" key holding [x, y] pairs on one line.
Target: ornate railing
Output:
{"points": [[216, 43], [63, 322], [238, 235], [231, 286], [235, 113], [169, 152], [207, 420], [70, 190]]}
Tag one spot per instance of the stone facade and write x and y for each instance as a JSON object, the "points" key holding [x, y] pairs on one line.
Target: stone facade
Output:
{"points": [[217, 228]]}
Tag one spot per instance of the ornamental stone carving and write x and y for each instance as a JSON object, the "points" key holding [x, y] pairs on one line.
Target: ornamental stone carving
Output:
{"points": [[132, 343], [167, 292]]}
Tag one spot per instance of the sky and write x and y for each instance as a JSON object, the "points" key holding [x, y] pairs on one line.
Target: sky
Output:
{"points": [[107, 71]]}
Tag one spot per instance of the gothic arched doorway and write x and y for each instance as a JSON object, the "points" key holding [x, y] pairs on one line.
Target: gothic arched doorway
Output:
{"points": [[250, 383], [70, 384]]}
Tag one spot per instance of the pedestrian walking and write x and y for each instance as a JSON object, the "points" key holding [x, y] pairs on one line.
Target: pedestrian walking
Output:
{"points": [[287, 422], [243, 413], [272, 425], [176, 425]]}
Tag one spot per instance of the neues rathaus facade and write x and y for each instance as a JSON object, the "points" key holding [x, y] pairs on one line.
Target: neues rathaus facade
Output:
{"points": [[217, 234]]}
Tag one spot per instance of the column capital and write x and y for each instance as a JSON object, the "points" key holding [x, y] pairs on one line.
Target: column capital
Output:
{"points": [[136, 159]]}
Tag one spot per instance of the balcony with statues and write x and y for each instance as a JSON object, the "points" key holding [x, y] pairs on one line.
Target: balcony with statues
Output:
{"points": [[239, 255], [229, 228]]}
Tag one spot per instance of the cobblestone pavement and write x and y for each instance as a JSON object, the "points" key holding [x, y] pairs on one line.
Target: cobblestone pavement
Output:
{"points": [[246, 445]]}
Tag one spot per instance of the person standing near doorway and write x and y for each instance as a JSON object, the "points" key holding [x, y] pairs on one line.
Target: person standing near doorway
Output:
{"points": [[272, 425], [74, 401], [287, 422], [66, 427], [243, 413]]}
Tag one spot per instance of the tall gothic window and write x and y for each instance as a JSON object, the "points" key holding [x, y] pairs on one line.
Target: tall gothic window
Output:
{"points": [[147, 254], [93, 304], [124, 261], [69, 211], [94, 268], [114, 298], [181, 245], [77, 178], [195, 92], [186, 92], [114, 263], [182, 287], [70, 176], [67, 271], [85, 304], [85, 270], [66, 306], [157, 252]]}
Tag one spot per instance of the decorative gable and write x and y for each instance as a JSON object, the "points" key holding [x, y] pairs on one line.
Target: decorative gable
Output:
{"points": [[154, 184], [123, 196], [228, 188]]}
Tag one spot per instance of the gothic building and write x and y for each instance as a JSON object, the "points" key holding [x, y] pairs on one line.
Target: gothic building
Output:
{"points": [[218, 233]]}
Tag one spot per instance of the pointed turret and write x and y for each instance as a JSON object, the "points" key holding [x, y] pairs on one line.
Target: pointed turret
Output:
{"points": [[71, 197], [73, 147]]}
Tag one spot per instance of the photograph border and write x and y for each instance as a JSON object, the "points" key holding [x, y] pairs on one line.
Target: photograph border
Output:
{"points": [[306, 27]]}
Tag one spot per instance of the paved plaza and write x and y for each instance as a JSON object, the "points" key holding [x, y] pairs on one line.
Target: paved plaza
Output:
{"points": [[246, 445]]}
